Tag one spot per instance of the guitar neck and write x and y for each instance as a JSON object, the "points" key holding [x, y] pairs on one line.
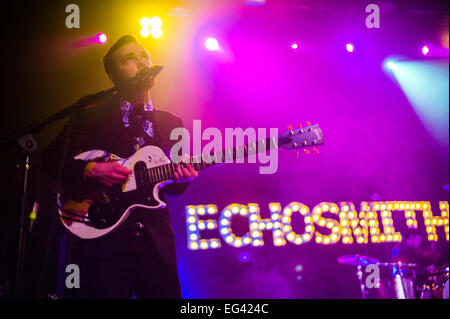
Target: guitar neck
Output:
{"points": [[229, 155]]}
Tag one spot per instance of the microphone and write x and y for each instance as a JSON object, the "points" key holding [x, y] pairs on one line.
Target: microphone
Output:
{"points": [[142, 78], [149, 72]]}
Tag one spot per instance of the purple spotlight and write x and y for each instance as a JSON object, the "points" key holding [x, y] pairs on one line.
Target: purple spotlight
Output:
{"points": [[212, 44], [350, 47], [101, 38], [244, 257], [294, 46], [425, 50]]}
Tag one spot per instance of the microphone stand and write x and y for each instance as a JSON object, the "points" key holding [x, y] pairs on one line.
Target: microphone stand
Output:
{"points": [[24, 138]]}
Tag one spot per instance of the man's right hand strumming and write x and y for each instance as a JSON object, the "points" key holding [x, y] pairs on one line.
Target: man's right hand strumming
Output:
{"points": [[108, 174]]}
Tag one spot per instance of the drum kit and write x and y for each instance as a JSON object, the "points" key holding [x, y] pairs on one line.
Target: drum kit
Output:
{"points": [[398, 280]]}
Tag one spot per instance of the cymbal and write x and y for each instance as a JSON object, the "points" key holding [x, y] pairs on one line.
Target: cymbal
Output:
{"points": [[356, 260]]}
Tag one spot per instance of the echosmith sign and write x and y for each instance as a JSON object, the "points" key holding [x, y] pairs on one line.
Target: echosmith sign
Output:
{"points": [[350, 225]]}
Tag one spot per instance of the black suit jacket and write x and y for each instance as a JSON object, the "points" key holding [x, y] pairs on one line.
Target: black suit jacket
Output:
{"points": [[101, 127]]}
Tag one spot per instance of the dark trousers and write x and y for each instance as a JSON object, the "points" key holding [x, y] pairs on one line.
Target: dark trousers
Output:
{"points": [[137, 269]]}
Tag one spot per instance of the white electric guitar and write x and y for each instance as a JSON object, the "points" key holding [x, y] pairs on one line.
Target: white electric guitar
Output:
{"points": [[94, 211]]}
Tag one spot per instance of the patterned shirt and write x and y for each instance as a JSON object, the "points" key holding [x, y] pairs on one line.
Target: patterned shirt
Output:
{"points": [[147, 126]]}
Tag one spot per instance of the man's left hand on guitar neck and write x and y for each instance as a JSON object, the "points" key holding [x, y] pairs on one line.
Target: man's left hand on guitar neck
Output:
{"points": [[185, 174]]}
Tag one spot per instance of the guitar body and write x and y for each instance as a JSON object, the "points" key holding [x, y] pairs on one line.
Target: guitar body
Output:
{"points": [[94, 211]]}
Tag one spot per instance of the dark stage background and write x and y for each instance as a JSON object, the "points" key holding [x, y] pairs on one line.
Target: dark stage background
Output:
{"points": [[377, 140]]}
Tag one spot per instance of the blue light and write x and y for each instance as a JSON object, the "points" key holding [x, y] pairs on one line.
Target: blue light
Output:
{"points": [[425, 84], [244, 257]]}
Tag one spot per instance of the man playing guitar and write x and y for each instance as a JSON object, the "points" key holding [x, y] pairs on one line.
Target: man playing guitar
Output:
{"points": [[139, 256]]}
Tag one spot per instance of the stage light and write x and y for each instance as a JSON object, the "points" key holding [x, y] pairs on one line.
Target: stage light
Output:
{"points": [[294, 46], [156, 33], [145, 32], [156, 22], [212, 44], [102, 38], [350, 47], [244, 257], [391, 66], [146, 22], [425, 50], [151, 27]]}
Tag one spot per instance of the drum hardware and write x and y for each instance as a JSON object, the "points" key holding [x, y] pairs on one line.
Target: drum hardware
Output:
{"points": [[437, 285], [358, 261], [404, 286]]}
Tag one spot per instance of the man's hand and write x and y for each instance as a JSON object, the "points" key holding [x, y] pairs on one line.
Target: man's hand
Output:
{"points": [[185, 174], [109, 174]]}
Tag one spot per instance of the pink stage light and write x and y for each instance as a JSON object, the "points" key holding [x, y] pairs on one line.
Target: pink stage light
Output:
{"points": [[350, 47], [425, 50], [212, 44], [102, 38], [294, 46]]}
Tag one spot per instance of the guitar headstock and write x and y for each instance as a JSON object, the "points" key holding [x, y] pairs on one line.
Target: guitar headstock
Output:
{"points": [[302, 137]]}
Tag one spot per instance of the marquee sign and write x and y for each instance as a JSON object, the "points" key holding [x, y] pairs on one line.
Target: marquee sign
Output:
{"points": [[349, 226]]}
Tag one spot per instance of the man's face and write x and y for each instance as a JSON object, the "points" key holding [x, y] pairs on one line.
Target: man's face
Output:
{"points": [[128, 60]]}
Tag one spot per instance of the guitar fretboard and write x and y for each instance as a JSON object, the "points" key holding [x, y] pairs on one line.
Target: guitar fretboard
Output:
{"points": [[165, 172]]}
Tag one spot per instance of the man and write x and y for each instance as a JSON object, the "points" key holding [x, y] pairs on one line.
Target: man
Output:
{"points": [[139, 257]]}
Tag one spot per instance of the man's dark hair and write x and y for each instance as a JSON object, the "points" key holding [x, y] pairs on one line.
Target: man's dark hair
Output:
{"points": [[107, 59]]}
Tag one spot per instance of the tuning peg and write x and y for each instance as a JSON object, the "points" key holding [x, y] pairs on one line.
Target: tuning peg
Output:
{"points": [[289, 127], [316, 149], [299, 125], [308, 123], [307, 152]]}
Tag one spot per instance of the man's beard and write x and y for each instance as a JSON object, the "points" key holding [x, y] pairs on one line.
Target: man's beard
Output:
{"points": [[137, 90]]}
